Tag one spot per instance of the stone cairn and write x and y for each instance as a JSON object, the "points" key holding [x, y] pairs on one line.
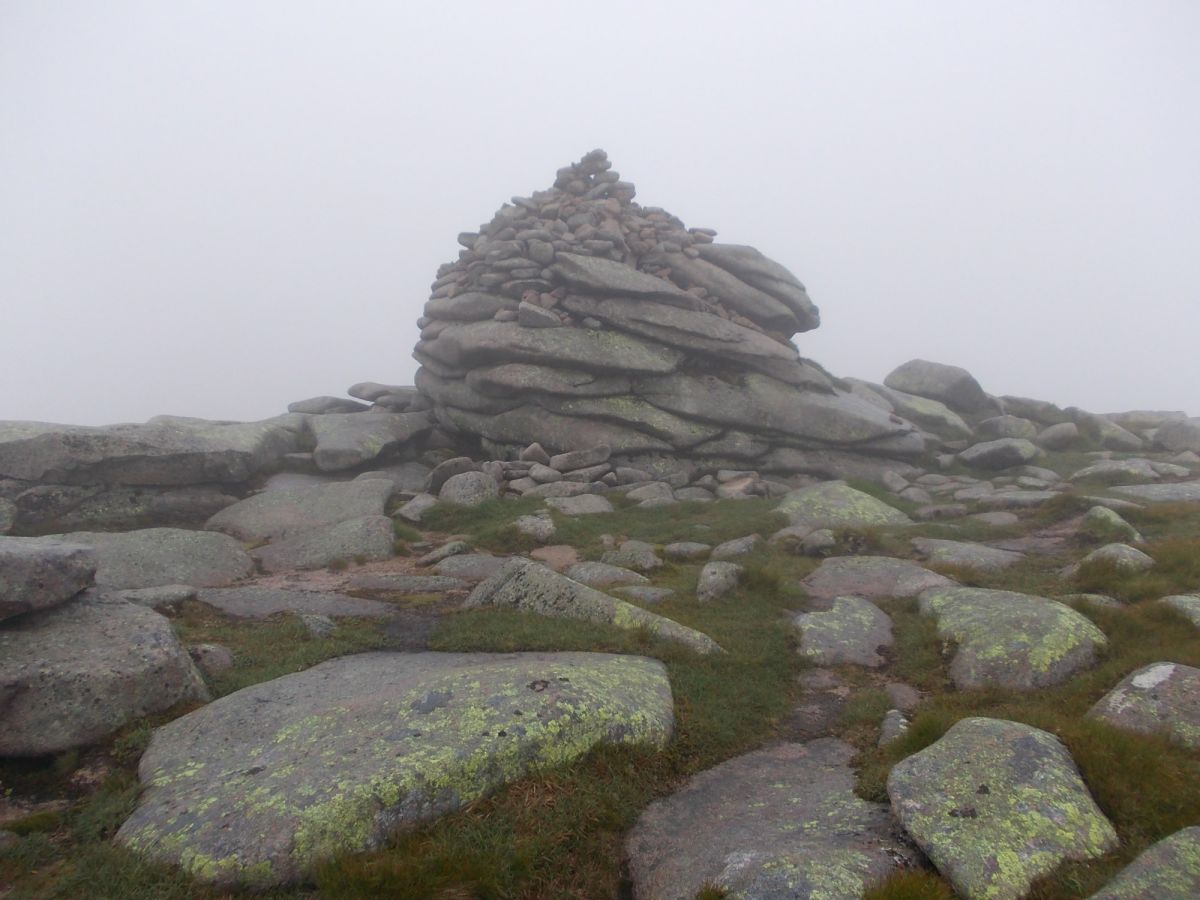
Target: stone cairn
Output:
{"points": [[577, 318]]}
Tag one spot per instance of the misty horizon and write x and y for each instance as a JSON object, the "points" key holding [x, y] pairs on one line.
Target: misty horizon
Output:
{"points": [[240, 209]]}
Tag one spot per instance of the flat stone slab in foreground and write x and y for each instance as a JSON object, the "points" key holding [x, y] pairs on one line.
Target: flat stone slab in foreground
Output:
{"points": [[73, 674], [525, 585], [995, 804], [1011, 640], [779, 822], [257, 787], [1161, 697]]}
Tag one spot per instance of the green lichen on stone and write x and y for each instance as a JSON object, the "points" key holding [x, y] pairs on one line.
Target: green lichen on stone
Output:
{"points": [[1006, 639], [834, 504], [851, 632], [995, 804], [1170, 868], [338, 757], [1161, 697]]}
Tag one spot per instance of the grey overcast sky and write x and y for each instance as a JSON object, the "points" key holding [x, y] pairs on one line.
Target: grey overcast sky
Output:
{"points": [[215, 207]]}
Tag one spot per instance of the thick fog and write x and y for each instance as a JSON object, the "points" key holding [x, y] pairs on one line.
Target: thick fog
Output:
{"points": [[215, 208]]}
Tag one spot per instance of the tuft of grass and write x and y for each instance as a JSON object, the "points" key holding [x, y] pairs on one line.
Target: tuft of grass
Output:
{"points": [[405, 532], [489, 525], [917, 650], [911, 884]]}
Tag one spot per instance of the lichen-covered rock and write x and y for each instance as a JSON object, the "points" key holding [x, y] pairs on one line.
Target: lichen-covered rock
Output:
{"points": [[152, 557], [602, 574], [368, 538], [834, 504], [779, 822], [996, 804], [1188, 604], [258, 787], [1011, 640], [1102, 523], [853, 631], [1121, 556], [469, 489], [346, 440], [1169, 870], [73, 674], [272, 515], [870, 577], [580, 505], [37, 574], [1180, 492], [525, 585], [1161, 697], [966, 554], [716, 580], [637, 555], [1003, 453]]}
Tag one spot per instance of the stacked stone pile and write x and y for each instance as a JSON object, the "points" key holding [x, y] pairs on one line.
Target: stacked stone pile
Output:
{"points": [[577, 317]]}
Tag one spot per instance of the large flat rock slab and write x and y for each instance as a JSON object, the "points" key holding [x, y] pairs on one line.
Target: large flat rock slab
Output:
{"points": [[1168, 870], [525, 585], [779, 822], [361, 540], [347, 440], [285, 512], [151, 557], [1161, 697], [167, 450], [870, 577], [852, 632], [257, 787], [73, 674], [1011, 640], [260, 602], [965, 554], [995, 804], [834, 504], [36, 574]]}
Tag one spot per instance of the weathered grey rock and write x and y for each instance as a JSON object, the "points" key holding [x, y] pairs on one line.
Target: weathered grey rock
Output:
{"points": [[321, 405], [525, 585], [75, 673], [930, 414], [37, 574], [999, 454], [373, 390], [539, 526], [530, 315], [574, 460], [688, 495], [346, 440], [47, 508], [605, 276], [852, 632], [471, 566], [385, 582], [1058, 437], [1007, 426], [602, 574], [469, 489], [870, 577], [1117, 471], [1122, 556], [766, 275], [557, 489], [644, 593], [779, 822], [951, 385], [1016, 499], [447, 469], [368, 538], [1178, 436], [716, 580], [686, 551], [8, 515], [657, 492], [166, 450], [445, 551], [1161, 697], [1104, 524], [260, 602], [818, 543], [736, 547], [414, 509], [965, 554], [1103, 431], [157, 597], [637, 555], [544, 474], [834, 504], [156, 556], [892, 728], [1182, 492], [999, 519], [1010, 640], [1169, 869], [1038, 410], [317, 625], [581, 505], [414, 736], [996, 804], [211, 659], [1188, 604], [273, 515]]}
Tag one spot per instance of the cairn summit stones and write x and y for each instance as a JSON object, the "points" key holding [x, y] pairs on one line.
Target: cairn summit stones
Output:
{"points": [[576, 317]]}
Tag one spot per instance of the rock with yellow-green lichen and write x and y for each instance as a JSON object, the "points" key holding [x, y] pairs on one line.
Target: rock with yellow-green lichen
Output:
{"points": [[1188, 604], [870, 577], [258, 787], [995, 804], [965, 554], [779, 822], [346, 440], [1010, 640], [853, 631], [1162, 697], [834, 504], [1168, 870], [523, 584]]}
